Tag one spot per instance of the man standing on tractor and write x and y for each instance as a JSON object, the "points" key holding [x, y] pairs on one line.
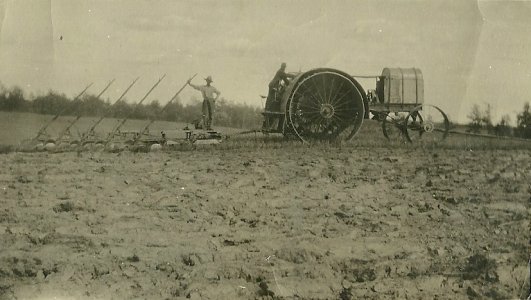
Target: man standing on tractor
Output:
{"points": [[273, 96], [209, 100]]}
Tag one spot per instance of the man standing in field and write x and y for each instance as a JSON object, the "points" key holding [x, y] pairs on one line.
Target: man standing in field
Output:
{"points": [[209, 100]]}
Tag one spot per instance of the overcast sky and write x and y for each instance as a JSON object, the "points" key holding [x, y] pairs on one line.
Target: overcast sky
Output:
{"points": [[469, 51]]}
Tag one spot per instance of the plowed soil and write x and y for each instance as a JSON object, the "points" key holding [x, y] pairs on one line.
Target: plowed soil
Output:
{"points": [[317, 222]]}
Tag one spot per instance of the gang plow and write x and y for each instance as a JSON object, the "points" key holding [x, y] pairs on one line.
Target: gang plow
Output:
{"points": [[118, 139]]}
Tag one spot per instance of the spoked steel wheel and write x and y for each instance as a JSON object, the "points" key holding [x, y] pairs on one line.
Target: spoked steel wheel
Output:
{"points": [[393, 127], [427, 123], [325, 104]]}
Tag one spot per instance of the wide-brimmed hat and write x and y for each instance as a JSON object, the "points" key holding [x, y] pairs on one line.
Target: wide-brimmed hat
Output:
{"points": [[209, 78]]}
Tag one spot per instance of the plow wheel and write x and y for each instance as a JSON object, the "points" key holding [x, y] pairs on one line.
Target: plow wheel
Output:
{"points": [[393, 127], [325, 104], [426, 123]]}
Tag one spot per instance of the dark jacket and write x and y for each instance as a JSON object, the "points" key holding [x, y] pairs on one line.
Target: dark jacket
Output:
{"points": [[280, 75]]}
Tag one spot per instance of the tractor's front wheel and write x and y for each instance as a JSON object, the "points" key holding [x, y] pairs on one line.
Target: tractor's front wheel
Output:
{"points": [[426, 123]]}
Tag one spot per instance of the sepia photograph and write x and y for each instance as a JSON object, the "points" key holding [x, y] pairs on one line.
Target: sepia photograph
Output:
{"points": [[280, 149]]}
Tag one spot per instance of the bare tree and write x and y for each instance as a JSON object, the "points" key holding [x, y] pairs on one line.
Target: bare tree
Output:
{"points": [[486, 119], [504, 127], [476, 119], [523, 122], [480, 120]]}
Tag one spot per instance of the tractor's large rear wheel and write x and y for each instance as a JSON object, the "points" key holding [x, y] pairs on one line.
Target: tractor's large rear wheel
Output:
{"points": [[325, 104]]}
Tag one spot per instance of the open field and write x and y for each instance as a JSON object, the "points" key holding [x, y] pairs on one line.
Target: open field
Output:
{"points": [[259, 217], [17, 127]]}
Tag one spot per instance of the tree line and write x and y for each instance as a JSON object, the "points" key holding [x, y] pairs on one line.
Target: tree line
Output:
{"points": [[227, 113], [480, 121]]}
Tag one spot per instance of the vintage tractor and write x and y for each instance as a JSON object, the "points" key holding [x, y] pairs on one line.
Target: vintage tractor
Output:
{"points": [[329, 104]]}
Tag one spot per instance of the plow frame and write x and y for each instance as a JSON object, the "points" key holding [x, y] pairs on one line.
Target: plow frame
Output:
{"points": [[66, 131], [89, 136]]}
